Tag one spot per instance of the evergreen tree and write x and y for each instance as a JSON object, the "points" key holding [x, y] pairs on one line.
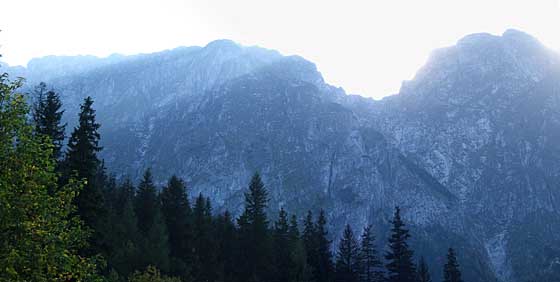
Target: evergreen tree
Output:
{"points": [[81, 161], [282, 247], [347, 258], [146, 202], [177, 213], [226, 235], [299, 270], [310, 243], [370, 265], [255, 238], [400, 266], [423, 271], [324, 268], [47, 115], [125, 247], [204, 246], [151, 225], [39, 234], [451, 272]]}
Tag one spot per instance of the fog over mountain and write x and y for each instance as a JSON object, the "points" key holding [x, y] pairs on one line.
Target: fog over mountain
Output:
{"points": [[469, 148]]}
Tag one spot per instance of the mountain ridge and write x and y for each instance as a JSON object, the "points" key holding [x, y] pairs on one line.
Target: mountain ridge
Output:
{"points": [[468, 148]]}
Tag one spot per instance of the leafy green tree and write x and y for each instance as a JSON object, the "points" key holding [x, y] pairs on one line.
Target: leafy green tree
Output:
{"points": [[47, 115], [370, 264], [400, 266], [39, 234], [347, 258], [423, 271], [451, 272], [152, 274]]}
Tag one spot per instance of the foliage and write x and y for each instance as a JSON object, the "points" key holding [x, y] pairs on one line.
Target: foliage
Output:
{"points": [[39, 234]]}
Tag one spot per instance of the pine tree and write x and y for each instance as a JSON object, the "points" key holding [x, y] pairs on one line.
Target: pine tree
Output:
{"points": [[400, 266], [347, 258], [47, 115], [81, 161], [204, 246], [177, 213], [324, 268], [451, 272], [146, 202], [226, 235], [423, 271], [151, 225], [39, 233], [282, 247], [370, 265], [309, 240], [255, 238], [125, 244]]}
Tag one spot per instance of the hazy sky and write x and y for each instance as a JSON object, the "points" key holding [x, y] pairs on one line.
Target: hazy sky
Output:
{"points": [[367, 47]]}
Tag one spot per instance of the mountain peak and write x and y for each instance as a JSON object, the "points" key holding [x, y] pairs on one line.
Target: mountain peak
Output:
{"points": [[222, 44]]}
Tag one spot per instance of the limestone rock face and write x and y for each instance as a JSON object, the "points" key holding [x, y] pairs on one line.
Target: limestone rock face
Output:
{"points": [[469, 149]]}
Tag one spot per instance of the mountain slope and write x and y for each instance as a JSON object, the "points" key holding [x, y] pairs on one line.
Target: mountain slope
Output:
{"points": [[469, 148]]}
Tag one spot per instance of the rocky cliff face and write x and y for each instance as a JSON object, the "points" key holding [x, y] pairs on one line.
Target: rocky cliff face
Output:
{"points": [[470, 148]]}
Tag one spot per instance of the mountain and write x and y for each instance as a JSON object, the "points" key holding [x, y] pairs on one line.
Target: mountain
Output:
{"points": [[469, 149]]}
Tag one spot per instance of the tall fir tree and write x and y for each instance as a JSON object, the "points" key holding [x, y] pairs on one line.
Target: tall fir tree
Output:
{"points": [[400, 266], [47, 115], [371, 268], [177, 213], [204, 246], [125, 240], [347, 258], [81, 161], [324, 269], [282, 247], [254, 234], [299, 270], [423, 271], [151, 225], [226, 235], [309, 239], [451, 272], [40, 234]]}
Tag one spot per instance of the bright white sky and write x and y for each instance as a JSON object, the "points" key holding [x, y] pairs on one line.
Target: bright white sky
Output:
{"points": [[368, 47]]}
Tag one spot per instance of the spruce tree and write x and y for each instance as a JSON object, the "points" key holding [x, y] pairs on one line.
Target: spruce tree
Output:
{"points": [[125, 244], [347, 258], [324, 268], [146, 202], [177, 213], [400, 266], [423, 271], [255, 237], [204, 246], [309, 240], [226, 243], [81, 161], [151, 225], [451, 272], [370, 264], [47, 115], [40, 235], [282, 247]]}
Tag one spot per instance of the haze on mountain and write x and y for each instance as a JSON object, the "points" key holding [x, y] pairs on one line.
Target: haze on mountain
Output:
{"points": [[469, 148]]}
